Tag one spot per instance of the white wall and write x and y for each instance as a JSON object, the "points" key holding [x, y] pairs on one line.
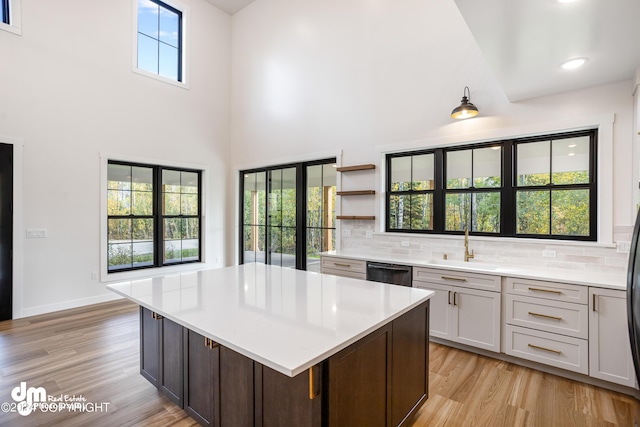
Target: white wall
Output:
{"points": [[368, 76], [67, 90]]}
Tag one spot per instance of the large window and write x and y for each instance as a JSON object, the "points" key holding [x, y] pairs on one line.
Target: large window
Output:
{"points": [[159, 39], [153, 216], [288, 214], [4, 12], [529, 187]]}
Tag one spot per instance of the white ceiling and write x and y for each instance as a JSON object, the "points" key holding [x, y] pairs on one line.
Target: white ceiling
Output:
{"points": [[525, 41], [231, 6]]}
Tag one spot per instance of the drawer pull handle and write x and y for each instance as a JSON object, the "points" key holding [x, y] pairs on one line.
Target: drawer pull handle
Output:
{"points": [[546, 316], [544, 349], [449, 297], [545, 290], [454, 298], [339, 264], [312, 388], [156, 316], [459, 279], [208, 342]]}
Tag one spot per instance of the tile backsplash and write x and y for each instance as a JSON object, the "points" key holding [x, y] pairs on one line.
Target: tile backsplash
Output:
{"points": [[503, 251]]}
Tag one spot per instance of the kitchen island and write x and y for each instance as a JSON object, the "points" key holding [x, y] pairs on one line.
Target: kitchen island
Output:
{"points": [[258, 345]]}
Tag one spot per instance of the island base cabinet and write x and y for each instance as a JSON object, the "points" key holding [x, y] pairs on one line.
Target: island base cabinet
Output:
{"points": [[161, 354], [380, 380]]}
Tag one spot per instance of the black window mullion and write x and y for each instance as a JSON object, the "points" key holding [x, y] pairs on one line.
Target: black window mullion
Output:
{"points": [[158, 218], [301, 223], [5, 11], [508, 191], [438, 193]]}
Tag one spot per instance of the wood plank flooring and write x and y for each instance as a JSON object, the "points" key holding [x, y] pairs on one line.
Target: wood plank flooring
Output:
{"points": [[93, 352]]}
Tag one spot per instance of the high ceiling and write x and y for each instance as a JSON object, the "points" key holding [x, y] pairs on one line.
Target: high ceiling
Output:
{"points": [[525, 42], [230, 6]]}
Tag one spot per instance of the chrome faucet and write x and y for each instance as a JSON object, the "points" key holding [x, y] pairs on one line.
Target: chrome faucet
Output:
{"points": [[467, 255]]}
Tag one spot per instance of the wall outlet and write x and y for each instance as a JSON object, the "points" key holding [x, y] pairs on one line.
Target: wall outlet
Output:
{"points": [[549, 254], [36, 233], [405, 243], [624, 246], [346, 233], [369, 234]]}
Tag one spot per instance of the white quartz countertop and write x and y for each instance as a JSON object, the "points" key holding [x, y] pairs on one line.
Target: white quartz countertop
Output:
{"points": [[578, 277], [288, 320]]}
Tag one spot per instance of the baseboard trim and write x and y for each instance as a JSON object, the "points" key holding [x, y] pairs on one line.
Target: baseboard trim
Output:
{"points": [[49, 308]]}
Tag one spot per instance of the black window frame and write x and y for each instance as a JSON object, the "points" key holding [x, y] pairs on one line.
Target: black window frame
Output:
{"points": [[158, 217], [180, 40], [6, 15], [508, 190], [301, 200]]}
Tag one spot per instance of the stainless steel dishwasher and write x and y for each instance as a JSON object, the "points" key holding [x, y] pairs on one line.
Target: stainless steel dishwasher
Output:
{"points": [[394, 274]]}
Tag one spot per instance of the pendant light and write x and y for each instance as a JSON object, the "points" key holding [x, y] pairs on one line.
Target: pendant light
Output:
{"points": [[466, 108]]}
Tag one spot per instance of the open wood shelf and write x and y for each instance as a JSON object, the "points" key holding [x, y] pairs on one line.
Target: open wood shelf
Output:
{"points": [[355, 168], [365, 218], [356, 192]]}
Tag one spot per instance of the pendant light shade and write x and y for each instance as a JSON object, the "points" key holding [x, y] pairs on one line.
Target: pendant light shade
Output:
{"points": [[466, 108]]}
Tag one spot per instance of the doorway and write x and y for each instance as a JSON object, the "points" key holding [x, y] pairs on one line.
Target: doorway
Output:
{"points": [[6, 230]]}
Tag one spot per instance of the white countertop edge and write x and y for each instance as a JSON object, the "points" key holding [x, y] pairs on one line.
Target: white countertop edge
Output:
{"points": [[291, 372], [576, 277]]}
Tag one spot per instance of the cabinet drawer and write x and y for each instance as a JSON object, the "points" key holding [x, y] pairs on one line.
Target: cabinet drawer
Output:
{"points": [[548, 290], [343, 264], [457, 278], [551, 349], [344, 273], [550, 316]]}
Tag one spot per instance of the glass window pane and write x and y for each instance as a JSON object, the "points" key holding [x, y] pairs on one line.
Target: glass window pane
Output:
{"points": [[141, 178], [532, 212], [423, 172], [172, 251], [148, 18], [275, 246], [485, 212], [422, 211], [570, 212], [171, 203], [190, 228], [487, 167], [147, 54], [142, 229], [168, 62], [457, 211], [169, 25], [142, 254], [314, 247], [400, 212], [400, 173], [171, 181], [571, 161], [172, 228], [118, 177], [118, 202], [119, 230], [190, 250], [458, 169], [533, 163], [142, 202], [289, 247], [289, 203], [189, 182], [119, 255], [189, 204]]}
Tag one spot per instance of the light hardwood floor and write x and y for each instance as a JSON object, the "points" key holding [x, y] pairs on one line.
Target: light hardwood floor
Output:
{"points": [[93, 352]]}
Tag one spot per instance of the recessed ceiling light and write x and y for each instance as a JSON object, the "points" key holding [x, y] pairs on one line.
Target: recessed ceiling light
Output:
{"points": [[572, 154], [573, 145], [572, 64]]}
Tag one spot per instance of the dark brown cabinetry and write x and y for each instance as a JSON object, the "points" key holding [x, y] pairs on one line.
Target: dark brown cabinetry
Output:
{"points": [[161, 354], [380, 380]]}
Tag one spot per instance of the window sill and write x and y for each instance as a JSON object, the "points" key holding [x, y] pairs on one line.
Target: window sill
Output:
{"points": [[11, 29], [152, 272], [182, 85]]}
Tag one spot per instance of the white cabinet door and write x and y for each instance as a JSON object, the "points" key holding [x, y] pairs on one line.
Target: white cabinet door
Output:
{"points": [[609, 348], [476, 318], [439, 309]]}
